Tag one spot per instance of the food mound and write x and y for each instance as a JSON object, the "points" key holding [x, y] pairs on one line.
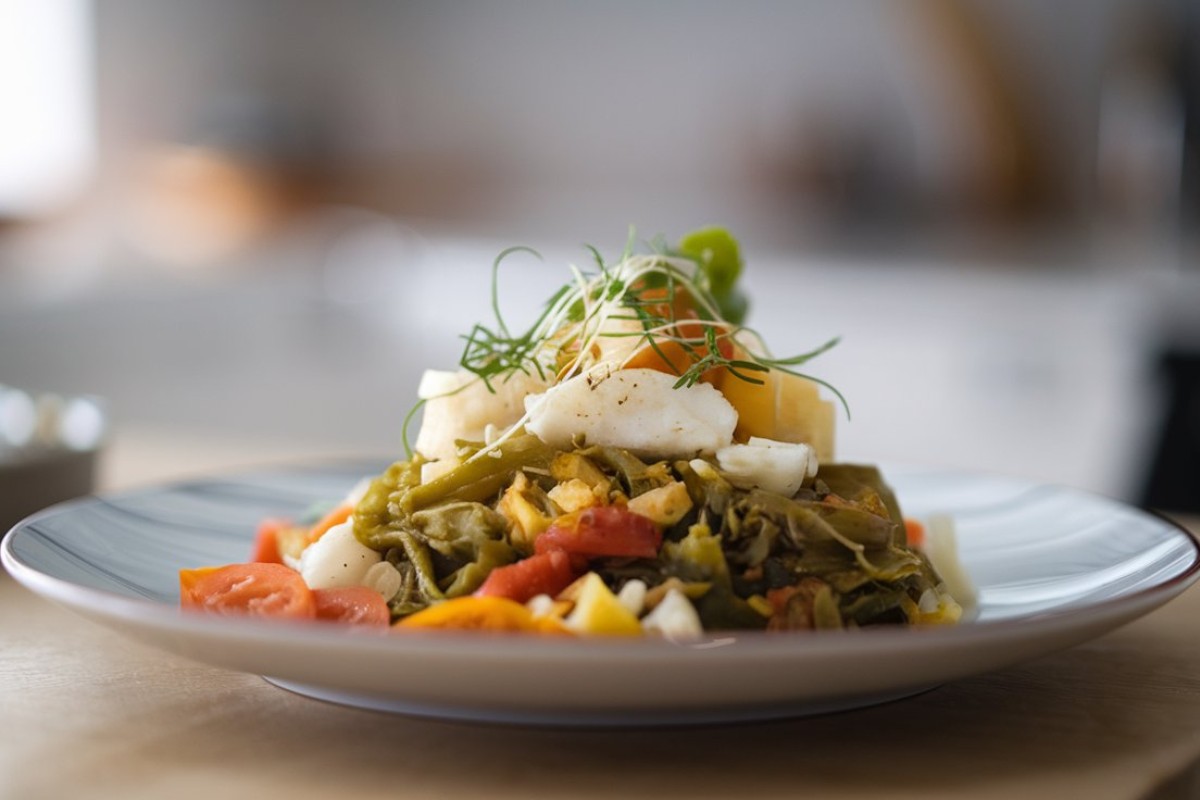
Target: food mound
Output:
{"points": [[635, 462]]}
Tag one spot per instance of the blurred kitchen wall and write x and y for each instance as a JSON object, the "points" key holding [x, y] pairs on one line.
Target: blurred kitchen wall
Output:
{"points": [[818, 126], [797, 123], [268, 203]]}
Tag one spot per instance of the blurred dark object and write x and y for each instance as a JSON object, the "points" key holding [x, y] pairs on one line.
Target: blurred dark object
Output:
{"points": [[41, 477], [1011, 177], [1173, 483], [1188, 71], [1173, 480], [49, 448], [1141, 138]]}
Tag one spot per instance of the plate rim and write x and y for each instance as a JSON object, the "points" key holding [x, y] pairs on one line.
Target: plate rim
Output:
{"points": [[99, 603]]}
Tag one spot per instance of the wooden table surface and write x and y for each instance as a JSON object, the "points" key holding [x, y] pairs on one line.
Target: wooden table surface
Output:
{"points": [[87, 713]]}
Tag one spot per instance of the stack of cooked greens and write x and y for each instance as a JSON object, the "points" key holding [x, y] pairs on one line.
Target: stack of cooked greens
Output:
{"points": [[638, 447], [832, 555]]}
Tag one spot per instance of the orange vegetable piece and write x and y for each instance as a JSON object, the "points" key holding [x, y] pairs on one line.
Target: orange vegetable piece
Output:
{"points": [[914, 532], [481, 614], [261, 590], [334, 518], [671, 357]]}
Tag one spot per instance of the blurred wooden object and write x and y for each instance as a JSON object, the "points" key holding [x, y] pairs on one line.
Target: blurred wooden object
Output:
{"points": [[1010, 178]]}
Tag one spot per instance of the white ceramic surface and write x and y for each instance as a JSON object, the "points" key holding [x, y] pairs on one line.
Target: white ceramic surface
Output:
{"points": [[1054, 567]]}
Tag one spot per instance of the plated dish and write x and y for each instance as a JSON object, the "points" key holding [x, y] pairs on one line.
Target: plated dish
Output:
{"points": [[634, 462], [1053, 567], [628, 513]]}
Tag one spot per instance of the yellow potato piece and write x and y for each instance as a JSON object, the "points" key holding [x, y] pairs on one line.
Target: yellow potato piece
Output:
{"points": [[527, 521], [598, 611], [573, 495], [785, 408], [754, 403], [802, 416], [665, 505]]}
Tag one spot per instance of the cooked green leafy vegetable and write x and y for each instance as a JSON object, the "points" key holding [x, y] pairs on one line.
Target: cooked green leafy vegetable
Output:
{"points": [[832, 556]]}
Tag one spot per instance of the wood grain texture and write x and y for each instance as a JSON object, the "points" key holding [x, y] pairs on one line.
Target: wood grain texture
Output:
{"points": [[89, 714]]}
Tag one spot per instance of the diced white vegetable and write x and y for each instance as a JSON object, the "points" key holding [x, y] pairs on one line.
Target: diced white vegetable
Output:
{"points": [[459, 406], [540, 605], [337, 559], [383, 578], [928, 602], [674, 618], [941, 547], [637, 409], [633, 596], [779, 467]]}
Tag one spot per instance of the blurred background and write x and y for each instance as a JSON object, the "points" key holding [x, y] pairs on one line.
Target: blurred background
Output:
{"points": [[239, 231]]}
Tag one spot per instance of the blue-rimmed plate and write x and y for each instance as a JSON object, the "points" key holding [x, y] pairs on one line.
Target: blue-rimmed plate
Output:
{"points": [[1053, 567]]}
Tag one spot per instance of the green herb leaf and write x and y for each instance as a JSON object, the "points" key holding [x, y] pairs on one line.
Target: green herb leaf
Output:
{"points": [[720, 259]]}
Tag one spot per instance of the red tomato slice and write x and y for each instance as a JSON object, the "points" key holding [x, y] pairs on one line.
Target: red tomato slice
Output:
{"points": [[353, 605], [602, 531], [261, 590], [545, 573], [266, 542]]}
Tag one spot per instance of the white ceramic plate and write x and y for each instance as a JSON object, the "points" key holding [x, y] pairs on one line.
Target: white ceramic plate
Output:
{"points": [[1054, 567]]}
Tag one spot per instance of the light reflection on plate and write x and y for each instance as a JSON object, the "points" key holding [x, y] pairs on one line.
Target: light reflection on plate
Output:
{"points": [[1054, 567]]}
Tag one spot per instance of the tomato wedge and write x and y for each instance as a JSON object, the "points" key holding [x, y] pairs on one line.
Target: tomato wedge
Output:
{"points": [[544, 573], [261, 590], [353, 605], [602, 531], [266, 541]]}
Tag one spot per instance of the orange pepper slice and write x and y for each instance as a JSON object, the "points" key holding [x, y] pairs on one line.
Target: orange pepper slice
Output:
{"points": [[482, 614]]}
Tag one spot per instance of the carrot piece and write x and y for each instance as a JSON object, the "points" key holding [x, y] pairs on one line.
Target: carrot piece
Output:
{"points": [[330, 520], [914, 531]]}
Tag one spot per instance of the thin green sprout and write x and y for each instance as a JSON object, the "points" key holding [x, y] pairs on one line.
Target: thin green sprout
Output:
{"points": [[575, 317]]}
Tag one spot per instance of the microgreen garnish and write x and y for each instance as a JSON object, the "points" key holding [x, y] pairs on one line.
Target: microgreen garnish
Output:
{"points": [[685, 301], [491, 354], [408, 418]]}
